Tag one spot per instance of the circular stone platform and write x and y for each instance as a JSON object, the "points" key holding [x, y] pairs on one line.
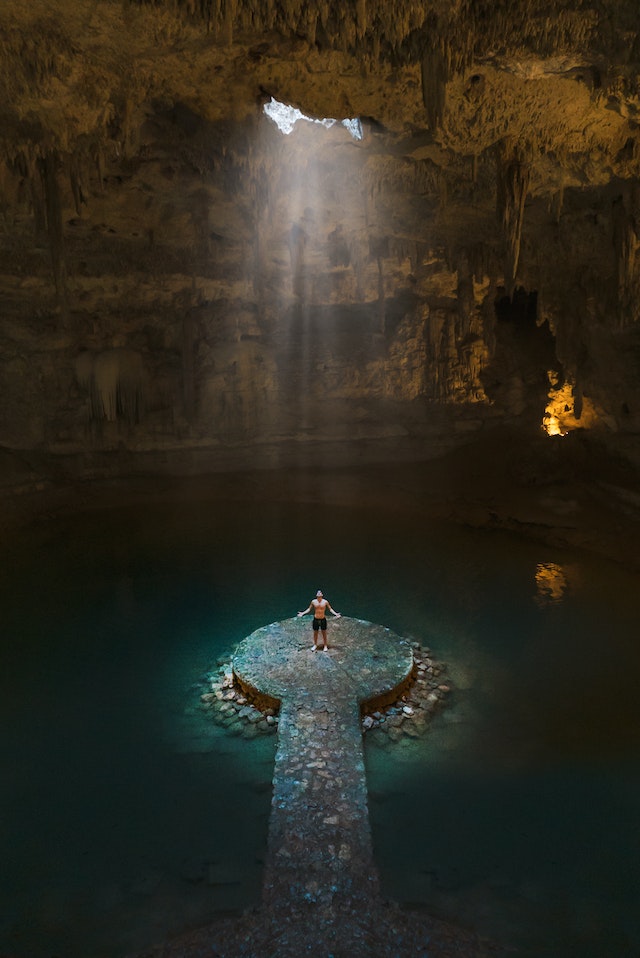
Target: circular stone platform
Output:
{"points": [[365, 662]]}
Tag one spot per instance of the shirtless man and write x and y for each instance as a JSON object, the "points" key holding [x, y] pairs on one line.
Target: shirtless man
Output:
{"points": [[319, 607]]}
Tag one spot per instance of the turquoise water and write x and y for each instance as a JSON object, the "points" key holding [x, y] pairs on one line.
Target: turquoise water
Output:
{"points": [[126, 816]]}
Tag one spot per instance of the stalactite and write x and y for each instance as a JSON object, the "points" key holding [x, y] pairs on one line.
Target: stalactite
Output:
{"points": [[626, 242], [465, 297], [49, 165], [435, 75], [4, 190], [348, 34], [312, 20], [556, 204], [25, 166], [424, 178], [37, 199], [126, 126], [99, 164], [578, 399], [480, 260], [229, 17], [489, 319], [361, 17], [115, 381], [76, 180], [512, 176], [467, 29]]}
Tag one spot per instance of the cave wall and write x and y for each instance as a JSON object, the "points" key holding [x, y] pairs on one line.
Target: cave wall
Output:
{"points": [[176, 273]]}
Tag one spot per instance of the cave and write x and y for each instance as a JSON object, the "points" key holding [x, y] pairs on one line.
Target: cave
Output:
{"points": [[338, 295]]}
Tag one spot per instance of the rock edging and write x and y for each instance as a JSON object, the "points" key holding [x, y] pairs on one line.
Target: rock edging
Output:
{"points": [[235, 710]]}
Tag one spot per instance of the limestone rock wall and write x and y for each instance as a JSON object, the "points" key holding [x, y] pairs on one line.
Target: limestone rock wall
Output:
{"points": [[177, 272]]}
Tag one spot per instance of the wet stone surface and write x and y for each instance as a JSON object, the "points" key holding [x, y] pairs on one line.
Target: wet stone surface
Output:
{"points": [[408, 714], [319, 844], [364, 662]]}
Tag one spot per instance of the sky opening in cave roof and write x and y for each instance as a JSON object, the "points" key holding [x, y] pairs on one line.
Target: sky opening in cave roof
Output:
{"points": [[285, 117]]}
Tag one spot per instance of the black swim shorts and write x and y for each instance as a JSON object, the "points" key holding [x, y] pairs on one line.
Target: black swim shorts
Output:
{"points": [[319, 624]]}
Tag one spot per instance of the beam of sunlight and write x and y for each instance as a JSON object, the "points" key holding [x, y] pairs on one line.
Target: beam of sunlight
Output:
{"points": [[314, 247]]}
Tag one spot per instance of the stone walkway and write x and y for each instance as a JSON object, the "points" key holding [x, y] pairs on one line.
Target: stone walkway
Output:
{"points": [[319, 846], [320, 890]]}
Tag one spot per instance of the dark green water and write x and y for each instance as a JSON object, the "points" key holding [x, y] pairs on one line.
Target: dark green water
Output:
{"points": [[125, 816]]}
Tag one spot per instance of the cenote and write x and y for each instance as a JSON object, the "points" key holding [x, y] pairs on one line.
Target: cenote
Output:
{"points": [[128, 816]]}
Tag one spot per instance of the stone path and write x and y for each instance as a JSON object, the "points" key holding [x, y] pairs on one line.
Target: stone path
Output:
{"points": [[320, 889], [319, 847]]}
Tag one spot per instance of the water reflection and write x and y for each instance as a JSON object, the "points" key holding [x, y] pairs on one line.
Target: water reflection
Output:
{"points": [[551, 583]]}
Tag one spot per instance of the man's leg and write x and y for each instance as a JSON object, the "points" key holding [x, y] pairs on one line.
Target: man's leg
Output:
{"points": [[324, 635]]}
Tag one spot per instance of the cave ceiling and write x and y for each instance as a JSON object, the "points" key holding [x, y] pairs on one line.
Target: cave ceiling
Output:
{"points": [[141, 182]]}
